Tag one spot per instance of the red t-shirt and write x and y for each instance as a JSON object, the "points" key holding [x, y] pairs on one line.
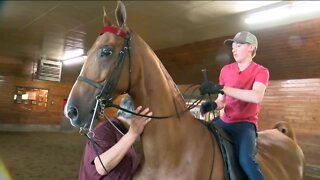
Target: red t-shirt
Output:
{"points": [[236, 110], [106, 136]]}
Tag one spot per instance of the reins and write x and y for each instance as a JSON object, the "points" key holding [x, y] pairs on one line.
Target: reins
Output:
{"points": [[193, 105]]}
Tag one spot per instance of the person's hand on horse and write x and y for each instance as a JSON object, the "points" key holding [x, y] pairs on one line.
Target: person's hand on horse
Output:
{"points": [[209, 87], [138, 122], [207, 107]]}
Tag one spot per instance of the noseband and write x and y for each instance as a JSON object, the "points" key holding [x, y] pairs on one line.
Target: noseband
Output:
{"points": [[104, 98]]}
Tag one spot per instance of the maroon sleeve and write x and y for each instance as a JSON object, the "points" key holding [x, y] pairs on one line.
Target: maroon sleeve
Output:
{"points": [[104, 137]]}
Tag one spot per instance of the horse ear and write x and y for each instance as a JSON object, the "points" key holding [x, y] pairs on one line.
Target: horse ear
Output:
{"points": [[121, 14], [106, 19]]}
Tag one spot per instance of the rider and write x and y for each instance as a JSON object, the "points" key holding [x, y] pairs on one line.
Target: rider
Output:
{"points": [[241, 88], [115, 145]]}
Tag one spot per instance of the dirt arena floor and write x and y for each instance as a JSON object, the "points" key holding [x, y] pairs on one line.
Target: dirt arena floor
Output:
{"points": [[50, 155], [42, 155]]}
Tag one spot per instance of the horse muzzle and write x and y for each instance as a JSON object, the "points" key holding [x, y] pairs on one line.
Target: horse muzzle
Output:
{"points": [[72, 113]]}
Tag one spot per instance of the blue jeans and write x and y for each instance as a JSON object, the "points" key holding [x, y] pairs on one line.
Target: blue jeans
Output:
{"points": [[243, 135]]}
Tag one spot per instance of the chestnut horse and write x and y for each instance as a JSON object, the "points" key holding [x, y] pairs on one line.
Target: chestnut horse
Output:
{"points": [[176, 147]]}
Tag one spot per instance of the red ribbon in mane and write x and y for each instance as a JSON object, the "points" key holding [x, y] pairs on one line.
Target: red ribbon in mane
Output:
{"points": [[113, 30]]}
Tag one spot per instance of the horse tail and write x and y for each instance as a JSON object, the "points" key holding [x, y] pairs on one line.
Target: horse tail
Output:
{"points": [[286, 129]]}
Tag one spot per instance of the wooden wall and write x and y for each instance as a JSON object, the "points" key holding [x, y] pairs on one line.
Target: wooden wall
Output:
{"points": [[18, 72], [297, 102], [289, 51], [12, 114]]}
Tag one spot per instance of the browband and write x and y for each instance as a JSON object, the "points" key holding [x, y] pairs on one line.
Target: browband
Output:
{"points": [[113, 30]]}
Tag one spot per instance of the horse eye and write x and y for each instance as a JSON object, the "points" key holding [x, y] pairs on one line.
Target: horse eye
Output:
{"points": [[105, 51]]}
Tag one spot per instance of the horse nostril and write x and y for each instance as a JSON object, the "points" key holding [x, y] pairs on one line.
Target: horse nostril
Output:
{"points": [[73, 113]]}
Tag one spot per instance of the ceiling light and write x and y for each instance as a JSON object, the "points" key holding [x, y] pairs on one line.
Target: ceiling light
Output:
{"points": [[73, 56], [268, 15], [283, 12], [72, 53], [305, 7]]}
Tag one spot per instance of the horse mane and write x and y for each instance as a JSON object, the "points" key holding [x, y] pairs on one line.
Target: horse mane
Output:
{"points": [[169, 79]]}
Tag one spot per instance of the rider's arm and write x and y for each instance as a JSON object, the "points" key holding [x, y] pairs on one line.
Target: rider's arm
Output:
{"points": [[255, 95]]}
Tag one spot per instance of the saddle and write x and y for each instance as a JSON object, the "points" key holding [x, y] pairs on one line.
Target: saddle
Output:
{"points": [[232, 168]]}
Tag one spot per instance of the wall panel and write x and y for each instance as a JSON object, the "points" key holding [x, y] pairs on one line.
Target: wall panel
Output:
{"points": [[289, 52], [297, 102], [11, 113]]}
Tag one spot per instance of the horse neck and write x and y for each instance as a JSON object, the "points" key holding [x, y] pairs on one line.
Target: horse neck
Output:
{"points": [[156, 90]]}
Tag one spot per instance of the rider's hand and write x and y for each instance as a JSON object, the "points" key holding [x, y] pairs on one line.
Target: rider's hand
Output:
{"points": [[207, 107], [209, 87], [138, 122]]}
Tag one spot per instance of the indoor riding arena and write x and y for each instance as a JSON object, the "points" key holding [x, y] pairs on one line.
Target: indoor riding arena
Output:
{"points": [[57, 66]]}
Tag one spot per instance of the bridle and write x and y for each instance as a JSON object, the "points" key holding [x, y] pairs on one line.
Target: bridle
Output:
{"points": [[104, 98], [108, 86]]}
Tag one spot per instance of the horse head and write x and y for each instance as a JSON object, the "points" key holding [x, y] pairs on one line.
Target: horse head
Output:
{"points": [[105, 74]]}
